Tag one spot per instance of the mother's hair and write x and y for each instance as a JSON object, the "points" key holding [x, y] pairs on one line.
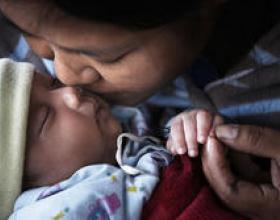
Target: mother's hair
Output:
{"points": [[135, 16]]}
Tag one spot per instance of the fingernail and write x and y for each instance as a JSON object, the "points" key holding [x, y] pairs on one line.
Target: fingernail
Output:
{"points": [[192, 153], [201, 139], [181, 151], [172, 151], [227, 131]]}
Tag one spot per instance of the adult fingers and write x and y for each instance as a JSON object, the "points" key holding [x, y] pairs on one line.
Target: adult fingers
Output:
{"points": [[244, 197], [255, 140], [218, 120], [275, 173]]}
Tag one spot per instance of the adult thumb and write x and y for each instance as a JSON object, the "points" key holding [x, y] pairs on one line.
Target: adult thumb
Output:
{"points": [[256, 140]]}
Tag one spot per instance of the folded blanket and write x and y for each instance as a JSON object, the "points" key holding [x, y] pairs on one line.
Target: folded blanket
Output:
{"points": [[184, 194], [15, 87]]}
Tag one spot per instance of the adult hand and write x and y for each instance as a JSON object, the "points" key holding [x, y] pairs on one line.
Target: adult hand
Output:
{"points": [[256, 201]]}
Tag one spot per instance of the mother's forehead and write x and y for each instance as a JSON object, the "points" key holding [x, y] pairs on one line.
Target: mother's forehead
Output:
{"points": [[43, 18], [28, 14]]}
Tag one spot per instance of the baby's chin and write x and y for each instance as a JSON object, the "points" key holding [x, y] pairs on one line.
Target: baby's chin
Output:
{"points": [[55, 176], [42, 180]]}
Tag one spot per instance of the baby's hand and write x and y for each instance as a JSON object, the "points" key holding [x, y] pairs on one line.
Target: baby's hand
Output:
{"points": [[190, 128]]}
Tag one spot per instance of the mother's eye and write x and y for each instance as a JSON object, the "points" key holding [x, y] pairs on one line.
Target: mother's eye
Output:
{"points": [[55, 84], [110, 60], [113, 60]]}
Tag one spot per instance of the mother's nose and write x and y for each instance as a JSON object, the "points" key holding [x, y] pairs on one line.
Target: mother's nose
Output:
{"points": [[70, 74], [71, 97]]}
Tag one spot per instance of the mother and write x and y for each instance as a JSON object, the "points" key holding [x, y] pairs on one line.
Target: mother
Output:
{"points": [[127, 55]]}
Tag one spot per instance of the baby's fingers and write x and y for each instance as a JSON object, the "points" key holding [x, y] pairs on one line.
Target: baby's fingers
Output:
{"points": [[204, 125], [177, 138], [190, 133], [169, 144]]}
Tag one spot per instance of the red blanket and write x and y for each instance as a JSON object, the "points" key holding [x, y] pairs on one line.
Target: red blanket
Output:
{"points": [[184, 194]]}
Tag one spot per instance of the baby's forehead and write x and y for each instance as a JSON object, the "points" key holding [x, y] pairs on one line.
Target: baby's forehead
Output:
{"points": [[41, 77]]}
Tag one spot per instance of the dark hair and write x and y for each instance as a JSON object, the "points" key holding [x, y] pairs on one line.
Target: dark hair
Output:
{"points": [[136, 15]]}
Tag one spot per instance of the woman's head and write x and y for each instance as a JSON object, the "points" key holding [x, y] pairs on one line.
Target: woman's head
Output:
{"points": [[135, 15], [124, 58]]}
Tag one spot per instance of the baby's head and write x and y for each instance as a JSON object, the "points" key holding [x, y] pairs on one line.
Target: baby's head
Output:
{"points": [[66, 130]]}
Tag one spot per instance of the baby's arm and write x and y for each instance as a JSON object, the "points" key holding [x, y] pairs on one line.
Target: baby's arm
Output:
{"points": [[190, 128]]}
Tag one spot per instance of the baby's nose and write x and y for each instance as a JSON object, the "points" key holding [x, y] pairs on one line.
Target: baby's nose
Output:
{"points": [[71, 97]]}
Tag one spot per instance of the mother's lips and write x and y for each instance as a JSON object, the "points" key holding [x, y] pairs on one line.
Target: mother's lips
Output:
{"points": [[89, 106]]}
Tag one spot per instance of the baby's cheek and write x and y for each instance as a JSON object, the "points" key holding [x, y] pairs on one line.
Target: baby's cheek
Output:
{"points": [[113, 127]]}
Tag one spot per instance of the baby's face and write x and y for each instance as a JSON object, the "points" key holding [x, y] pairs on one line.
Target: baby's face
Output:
{"points": [[66, 130]]}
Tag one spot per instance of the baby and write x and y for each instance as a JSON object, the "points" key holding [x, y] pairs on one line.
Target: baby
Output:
{"points": [[59, 144], [69, 129]]}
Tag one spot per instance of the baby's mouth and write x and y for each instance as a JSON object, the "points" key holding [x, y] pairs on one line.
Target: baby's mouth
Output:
{"points": [[100, 98]]}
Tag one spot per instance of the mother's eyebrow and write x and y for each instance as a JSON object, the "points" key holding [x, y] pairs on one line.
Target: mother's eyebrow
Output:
{"points": [[94, 52], [97, 52]]}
